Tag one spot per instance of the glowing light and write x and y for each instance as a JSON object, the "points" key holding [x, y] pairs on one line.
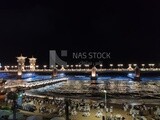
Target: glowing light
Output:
{"points": [[61, 74], [19, 73], [111, 65], [131, 75], [93, 74]]}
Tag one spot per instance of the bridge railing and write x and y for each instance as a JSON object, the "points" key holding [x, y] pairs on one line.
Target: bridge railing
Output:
{"points": [[82, 70]]}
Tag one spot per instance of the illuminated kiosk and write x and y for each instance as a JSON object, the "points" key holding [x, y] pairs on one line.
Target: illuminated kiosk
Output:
{"points": [[93, 73], [21, 65], [54, 74], [32, 62], [137, 74]]}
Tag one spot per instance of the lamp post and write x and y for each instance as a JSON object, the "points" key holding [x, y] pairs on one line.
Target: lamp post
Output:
{"points": [[67, 66], [0, 67], [153, 66], [71, 67], [86, 66], [111, 65], [101, 65], [119, 65], [44, 66], [56, 66], [79, 67], [143, 65], [37, 66], [76, 66], [134, 65], [105, 101], [15, 66]]}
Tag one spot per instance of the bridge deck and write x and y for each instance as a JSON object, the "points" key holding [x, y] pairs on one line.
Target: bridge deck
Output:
{"points": [[85, 70]]}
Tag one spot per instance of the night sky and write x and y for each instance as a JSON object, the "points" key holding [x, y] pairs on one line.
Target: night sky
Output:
{"points": [[130, 31]]}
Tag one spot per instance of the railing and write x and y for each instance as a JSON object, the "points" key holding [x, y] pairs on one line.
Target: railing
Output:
{"points": [[35, 84], [82, 70]]}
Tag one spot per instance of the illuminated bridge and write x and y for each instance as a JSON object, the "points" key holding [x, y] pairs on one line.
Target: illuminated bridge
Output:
{"points": [[81, 70]]}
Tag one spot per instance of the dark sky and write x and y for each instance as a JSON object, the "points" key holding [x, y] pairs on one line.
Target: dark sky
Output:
{"points": [[130, 31]]}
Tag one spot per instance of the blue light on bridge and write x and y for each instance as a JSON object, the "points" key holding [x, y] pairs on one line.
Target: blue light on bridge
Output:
{"points": [[61, 75], [28, 75], [131, 75]]}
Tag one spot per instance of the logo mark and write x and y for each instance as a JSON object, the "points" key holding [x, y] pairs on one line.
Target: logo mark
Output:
{"points": [[55, 59]]}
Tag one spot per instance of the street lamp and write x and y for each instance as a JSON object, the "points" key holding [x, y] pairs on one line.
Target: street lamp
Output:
{"points": [[105, 99], [119, 66], [57, 66], [76, 66], [37, 66], [15, 66], [71, 67], [143, 65], [111, 65], [86, 66], [67, 66], [44, 66], [134, 65], [101, 65], [12, 66]]}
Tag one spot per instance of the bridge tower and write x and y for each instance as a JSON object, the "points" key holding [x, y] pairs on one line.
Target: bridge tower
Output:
{"points": [[32, 62], [54, 74], [130, 67], [93, 73], [21, 65], [5, 68], [137, 74], [62, 68]]}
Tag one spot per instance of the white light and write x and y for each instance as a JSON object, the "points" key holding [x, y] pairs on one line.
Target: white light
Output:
{"points": [[134, 65], [44, 66], [110, 65], [129, 65], [143, 65], [86, 65], [61, 74]]}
